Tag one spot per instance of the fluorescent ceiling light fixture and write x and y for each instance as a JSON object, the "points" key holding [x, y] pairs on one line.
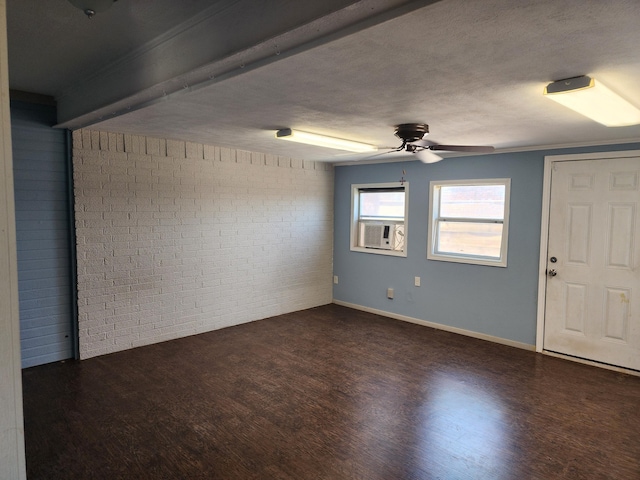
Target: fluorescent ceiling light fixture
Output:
{"points": [[592, 99], [323, 141]]}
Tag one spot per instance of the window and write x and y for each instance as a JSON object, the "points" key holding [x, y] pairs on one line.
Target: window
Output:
{"points": [[469, 221], [379, 218]]}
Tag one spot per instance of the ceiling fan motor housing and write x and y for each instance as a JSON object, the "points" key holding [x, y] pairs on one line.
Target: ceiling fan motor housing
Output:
{"points": [[411, 132]]}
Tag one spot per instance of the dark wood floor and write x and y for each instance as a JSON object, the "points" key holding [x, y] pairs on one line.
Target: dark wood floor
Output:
{"points": [[330, 393]]}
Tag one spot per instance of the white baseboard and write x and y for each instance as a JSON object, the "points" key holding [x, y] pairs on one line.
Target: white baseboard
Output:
{"points": [[439, 326]]}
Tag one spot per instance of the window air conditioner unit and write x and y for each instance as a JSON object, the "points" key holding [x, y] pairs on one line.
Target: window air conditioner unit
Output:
{"points": [[379, 235]]}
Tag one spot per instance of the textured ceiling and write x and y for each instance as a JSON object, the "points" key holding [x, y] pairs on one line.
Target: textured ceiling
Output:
{"points": [[474, 71], [53, 48]]}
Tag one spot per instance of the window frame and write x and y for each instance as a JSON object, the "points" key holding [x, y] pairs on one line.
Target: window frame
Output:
{"points": [[434, 219], [355, 217]]}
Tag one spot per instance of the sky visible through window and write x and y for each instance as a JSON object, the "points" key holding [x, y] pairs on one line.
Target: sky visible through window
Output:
{"points": [[472, 201], [382, 204]]}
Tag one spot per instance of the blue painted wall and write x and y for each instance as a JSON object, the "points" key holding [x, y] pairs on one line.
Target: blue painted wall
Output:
{"points": [[494, 301], [43, 233]]}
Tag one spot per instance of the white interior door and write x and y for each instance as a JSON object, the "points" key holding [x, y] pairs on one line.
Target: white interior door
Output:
{"points": [[593, 263]]}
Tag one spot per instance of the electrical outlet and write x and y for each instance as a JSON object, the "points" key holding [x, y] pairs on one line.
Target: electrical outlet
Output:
{"points": [[416, 281], [390, 293], [335, 279]]}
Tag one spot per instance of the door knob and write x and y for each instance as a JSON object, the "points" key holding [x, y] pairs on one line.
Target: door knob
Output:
{"points": [[552, 273]]}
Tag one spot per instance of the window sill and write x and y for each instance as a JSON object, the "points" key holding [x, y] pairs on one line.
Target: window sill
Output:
{"points": [[468, 260], [379, 251]]}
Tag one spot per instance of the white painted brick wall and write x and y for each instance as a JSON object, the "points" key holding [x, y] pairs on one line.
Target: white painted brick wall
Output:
{"points": [[176, 238]]}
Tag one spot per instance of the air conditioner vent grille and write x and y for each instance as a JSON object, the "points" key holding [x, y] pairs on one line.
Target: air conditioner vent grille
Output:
{"points": [[378, 235], [373, 235]]}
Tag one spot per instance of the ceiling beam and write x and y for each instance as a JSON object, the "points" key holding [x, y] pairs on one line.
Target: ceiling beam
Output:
{"points": [[227, 39]]}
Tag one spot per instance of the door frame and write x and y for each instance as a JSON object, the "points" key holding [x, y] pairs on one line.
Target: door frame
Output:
{"points": [[549, 161]]}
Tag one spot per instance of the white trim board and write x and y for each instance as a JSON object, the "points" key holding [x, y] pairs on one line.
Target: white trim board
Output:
{"points": [[498, 151], [12, 451], [591, 363], [439, 326]]}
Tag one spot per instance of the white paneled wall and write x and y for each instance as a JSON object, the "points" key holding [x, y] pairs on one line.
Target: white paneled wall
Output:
{"points": [[176, 238]]}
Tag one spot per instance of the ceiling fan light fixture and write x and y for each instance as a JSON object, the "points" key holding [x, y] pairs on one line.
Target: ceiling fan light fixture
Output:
{"points": [[91, 7], [593, 100], [324, 141], [427, 156]]}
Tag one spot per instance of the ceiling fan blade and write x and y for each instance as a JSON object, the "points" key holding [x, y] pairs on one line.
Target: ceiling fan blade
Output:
{"points": [[427, 156], [462, 148]]}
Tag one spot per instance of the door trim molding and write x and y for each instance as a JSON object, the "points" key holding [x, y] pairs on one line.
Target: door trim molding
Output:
{"points": [[549, 160]]}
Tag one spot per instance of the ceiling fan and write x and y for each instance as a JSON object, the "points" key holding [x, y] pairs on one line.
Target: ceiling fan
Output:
{"points": [[412, 135]]}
